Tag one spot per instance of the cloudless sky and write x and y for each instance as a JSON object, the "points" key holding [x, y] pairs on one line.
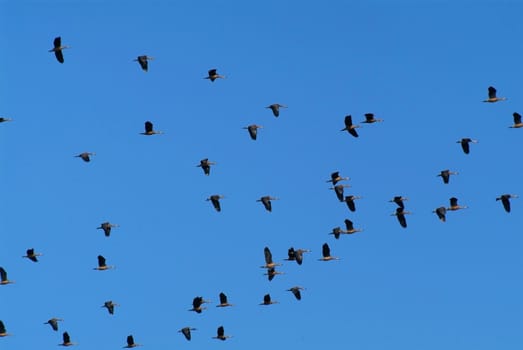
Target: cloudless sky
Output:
{"points": [[422, 66]]}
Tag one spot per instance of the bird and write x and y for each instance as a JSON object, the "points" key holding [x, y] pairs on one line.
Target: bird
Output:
{"points": [[267, 300], [335, 178], [441, 212], [149, 129], [271, 272], [492, 96], [66, 340], [205, 164], [3, 331], [253, 130], [3, 277], [350, 202], [400, 214], [349, 127], [109, 305], [186, 331], [337, 231], [268, 259], [445, 175], [299, 255], [223, 301], [3, 120], [53, 322], [505, 200], [107, 226], [220, 334], [57, 49], [197, 304], [215, 200], [86, 156], [143, 61], [465, 144], [326, 252], [101, 264], [131, 343], [31, 255], [454, 204], [350, 227], [213, 75], [339, 191], [399, 201], [517, 121], [369, 118], [266, 201], [296, 291], [275, 108]]}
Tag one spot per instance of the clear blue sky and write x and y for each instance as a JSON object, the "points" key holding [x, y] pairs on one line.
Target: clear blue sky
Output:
{"points": [[422, 67]]}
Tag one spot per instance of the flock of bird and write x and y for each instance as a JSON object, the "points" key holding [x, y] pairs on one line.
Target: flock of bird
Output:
{"points": [[293, 254]]}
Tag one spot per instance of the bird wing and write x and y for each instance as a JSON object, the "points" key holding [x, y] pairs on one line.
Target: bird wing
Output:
{"points": [[453, 201], [187, 333], [2, 327], [350, 203], [491, 92], [505, 200], [517, 118], [369, 117], [197, 302], [212, 72], [296, 293], [349, 225], [339, 192], [291, 253], [148, 127], [57, 42], [348, 121], [3, 274], [252, 131], [465, 146], [299, 256], [101, 261], [130, 340], [142, 60], [353, 132], [445, 175], [267, 299], [326, 251], [223, 298], [66, 338], [59, 56], [268, 255], [220, 332]]}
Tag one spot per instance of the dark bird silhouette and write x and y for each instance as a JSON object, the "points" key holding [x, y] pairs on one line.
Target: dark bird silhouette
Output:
{"points": [[296, 291], [253, 130], [106, 227], [3, 331], [271, 273], [296, 255], [335, 178], [350, 227], [57, 49], [337, 231], [369, 119], [399, 201], [441, 212], [223, 301], [86, 156], [465, 144], [102, 266], [266, 201], [492, 96], [66, 340], [339, 191], [205, 164], [3, 120], [186, 331], [197, 304], [131, 343], [505, 200], [109, 305], [267, 300], [215, 200], [350, 202], [3, 277], [349, 127], [400, 214], [220, 334], [143, 61], [268, 259], [213, 75], [454, 204], [445, 175], [275, 108], [31, 255], [517, 121], [149, 129], [53, 322], [326, 252]]}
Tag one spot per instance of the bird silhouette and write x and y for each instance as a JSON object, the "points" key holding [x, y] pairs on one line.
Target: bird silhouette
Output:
{"points": [[223, 301], [186, 331], [266, 201], [85, 156], [149, 129], [31, 255], [66, 340], [213, 75], [267, 300], [220, 334], [102, 266], [275, 108], [268, 259], [205, 164], [253, 130], [53, 322], [326, 253], [505, 200], [465, 144], [131, 343], [215, 200], [296, 292], [197, 304], [349, 127], [349, 200], [143, 61], [106, 227], [441, 213], [399, 201], [517, 121], [3, 277], [109, 305], [445, 175], [3, 331], [492, 96], [369, 119], [335, 178], [454, 204], [57, 49], [339, 191], [400, 214]]}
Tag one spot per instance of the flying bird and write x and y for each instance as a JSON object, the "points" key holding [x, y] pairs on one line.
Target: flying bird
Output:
{"points": [[3, 331], [106, 227], [350, 202], [445, 175], [3, 120], [296, 291], [57, 49], [399, 201], [400, 214], [275, 108], [109, 305], [505, 200], [143, 61], [349, 127], [296, 255], [205, 164], [335, 178], [3, 277], [66, 340], [465, 144], [223, 301], [339, 191], [86, 156], [267, 300], [53, 322], [441, 212], [197, 304], [268, 259], [220, 334], [213, 75], [369, 119], [102, 265], [149, 129], [186, 331], [271, 273], [266, 201], [517, 121], [454, 204], [492, 96], [215, 200], [253, 130], [31, 255], [326, 252], [131, 343]]}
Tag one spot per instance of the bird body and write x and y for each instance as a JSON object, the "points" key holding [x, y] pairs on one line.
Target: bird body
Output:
{"points": [[143, 61], [186, 331], [205, 164], [212, 75], [109, 305], [149, 129], [445, 175], [266, 201], [296, 291], [441, 213], [215, 200], [57, 49], [85, 156], [31, 255], [253, 130], [465, 144], [505, 200], [106, 227], [349, 127]]}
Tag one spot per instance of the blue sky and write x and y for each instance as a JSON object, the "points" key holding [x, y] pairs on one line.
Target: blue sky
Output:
{"points": [[423, 68]]}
